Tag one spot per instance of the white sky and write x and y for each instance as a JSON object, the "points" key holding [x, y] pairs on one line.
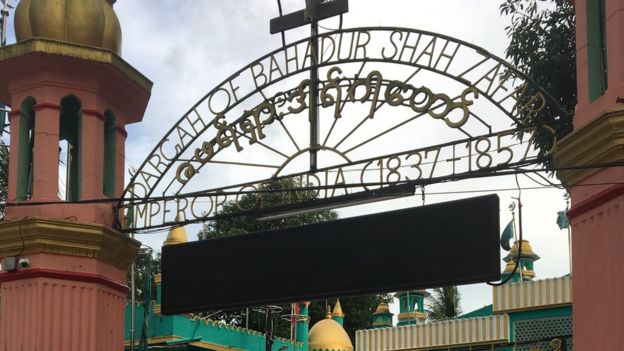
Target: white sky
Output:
{"points": [[186, 47]]}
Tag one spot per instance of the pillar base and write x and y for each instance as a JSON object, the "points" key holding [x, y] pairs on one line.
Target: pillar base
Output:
{"points": [[72, 296]]}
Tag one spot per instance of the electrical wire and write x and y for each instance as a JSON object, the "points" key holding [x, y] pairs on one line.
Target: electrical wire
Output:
{"points": [[154, 229], [251, 192]]}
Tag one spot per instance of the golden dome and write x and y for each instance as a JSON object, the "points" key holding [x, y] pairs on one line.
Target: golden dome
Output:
{"points": [[329, 335], [85, 22], [177, 235], [527, 251], [383, 308]]}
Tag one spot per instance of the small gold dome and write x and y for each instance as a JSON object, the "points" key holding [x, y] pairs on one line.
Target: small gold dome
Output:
{"points": [[177, 235], [85, 22], [527, 251], [329, 335], [383, 308]]}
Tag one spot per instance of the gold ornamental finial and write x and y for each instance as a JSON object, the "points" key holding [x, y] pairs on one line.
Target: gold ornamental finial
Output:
{"points": [[177, 235], [329, 312], [337, 309], [382, 308], [85, 22]]}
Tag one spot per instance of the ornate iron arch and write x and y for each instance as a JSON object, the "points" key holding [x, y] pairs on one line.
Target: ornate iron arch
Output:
{"points": [[478, 104]]}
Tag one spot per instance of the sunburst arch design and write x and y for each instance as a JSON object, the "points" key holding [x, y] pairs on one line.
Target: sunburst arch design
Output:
{"points": [[252, 113]]}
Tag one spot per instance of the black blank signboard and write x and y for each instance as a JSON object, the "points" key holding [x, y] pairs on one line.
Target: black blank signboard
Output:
{"points": [[422, 247]]}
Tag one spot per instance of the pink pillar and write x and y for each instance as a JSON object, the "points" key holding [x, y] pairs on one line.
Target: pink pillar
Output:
{"points": [[120, 159], [72, 296], [45, 169], [69, 302], [597, 215], [14, 119], [92, 154]]}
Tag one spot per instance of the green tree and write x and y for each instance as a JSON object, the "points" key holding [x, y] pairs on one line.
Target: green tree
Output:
{"points": [[444, 303], [542, 46], [359, 310], [269, 195], [146, 265]]}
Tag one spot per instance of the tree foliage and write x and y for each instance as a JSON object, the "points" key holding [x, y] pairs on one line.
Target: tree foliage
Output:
{"points": [[542, 46], [444, 303], [269, 194], [146, 265]]}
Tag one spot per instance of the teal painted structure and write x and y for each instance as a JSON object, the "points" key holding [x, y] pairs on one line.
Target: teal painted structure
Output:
{"points": [[382, 318], [529, 326], [411, 304], [337, 315], [185, 332], [481, 312], [303, 324]]}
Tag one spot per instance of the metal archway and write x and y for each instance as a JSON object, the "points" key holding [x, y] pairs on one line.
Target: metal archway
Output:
{"points": [[399, 106]]}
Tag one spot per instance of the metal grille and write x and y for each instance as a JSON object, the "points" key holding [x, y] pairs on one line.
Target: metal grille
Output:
{"points": [[543, 331]]}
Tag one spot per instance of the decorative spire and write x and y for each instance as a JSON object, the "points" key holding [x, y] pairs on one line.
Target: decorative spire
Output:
{"points": [[527, 260], [382, 318], [337, 309], [177, 235], [338, 315]]}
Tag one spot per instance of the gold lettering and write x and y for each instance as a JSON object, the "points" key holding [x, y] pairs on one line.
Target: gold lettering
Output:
{"points": [[226, 134], [185, 172], [333, 83]]}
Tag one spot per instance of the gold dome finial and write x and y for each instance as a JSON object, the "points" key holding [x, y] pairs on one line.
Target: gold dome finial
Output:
{"points": [[177, 235], [85, 22], [337, 309], [383, 308], [329, 312], [527, 252]]}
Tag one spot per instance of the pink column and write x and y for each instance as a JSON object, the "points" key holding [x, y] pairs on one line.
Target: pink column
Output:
{"points": [[92, 154], [72, 296], [46, 159], [597, 213], [14, 118], [54, 310], [120, 159]]}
